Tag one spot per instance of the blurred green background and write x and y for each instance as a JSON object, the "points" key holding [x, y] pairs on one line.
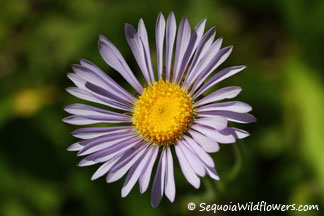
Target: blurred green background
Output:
{"points": [[280, 41]]}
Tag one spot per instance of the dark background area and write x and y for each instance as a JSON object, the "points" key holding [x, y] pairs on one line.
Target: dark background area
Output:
{"points": [[280, 41]]}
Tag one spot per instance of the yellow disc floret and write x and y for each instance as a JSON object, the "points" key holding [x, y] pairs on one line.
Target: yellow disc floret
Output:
{"points": [[163, 113]]}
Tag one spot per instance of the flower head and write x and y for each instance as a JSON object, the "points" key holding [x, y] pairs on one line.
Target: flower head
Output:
{"points": [[169, 113]]}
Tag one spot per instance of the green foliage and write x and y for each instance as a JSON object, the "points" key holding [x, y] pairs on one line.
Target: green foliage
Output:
{"points": [[281, 162]]}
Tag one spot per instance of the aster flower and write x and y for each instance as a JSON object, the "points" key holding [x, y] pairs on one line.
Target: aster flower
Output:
{"points": [[169, 117]]}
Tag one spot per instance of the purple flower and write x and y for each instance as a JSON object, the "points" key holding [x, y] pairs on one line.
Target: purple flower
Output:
{"points": [[171, 113]]}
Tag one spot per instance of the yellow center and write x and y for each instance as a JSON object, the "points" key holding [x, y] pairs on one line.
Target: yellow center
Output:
{"points": [[163, 113]]}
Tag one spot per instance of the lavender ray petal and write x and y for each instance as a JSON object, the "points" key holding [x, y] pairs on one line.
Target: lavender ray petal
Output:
{"points": [[218, 77], [159, 40], [110, 136], [135, 172], [233, 106], [105, 95], [77, 81], [218, 136], [171, 29], [137, 47], [202, 48], [206, 62], [220, 94], [93, 95], [217, 60], [230, 116], [145, 42], [114, 86], [75, 147], [195, 38], [237, 133], [183, 38], [89, 76], [116, 149], [217, 122], [170, 189], [99, 144], [114, 59], [208, 144], [80, 81], [92, 119], [104, 168], [123, 166], [187, 171], [158, 183], [85, 95], [94, 132], [86, 110], [200, 152], [86, 162], [192, 159], [144, 179], [211, 171]]}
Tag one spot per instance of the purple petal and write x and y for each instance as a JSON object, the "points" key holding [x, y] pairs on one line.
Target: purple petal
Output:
{"points": [[114, 59], [104, 168], [230, 116], [217, 60], [202, 48], [208, 144], [158, 183], [218, 136], [212, 172], [143, 36], [135, 172], [113, 86], [223, 93], [84, 95], [207, 62], [86, 110], [218, 77], [137, 47], [75, 147], [171, 29], [112, 150], [233, 106], [89, 76], [94, 132], [96, 144], [203, 156], [183, 38], [159, 40], [238, 133], [86, 120], [95, 93], [192, 159], [104, 95], [187, 171], [87, 80], [144, 179], [78, 81], [125, 163], [218, 123], [86, 162], [170, 189], [195, 38]]}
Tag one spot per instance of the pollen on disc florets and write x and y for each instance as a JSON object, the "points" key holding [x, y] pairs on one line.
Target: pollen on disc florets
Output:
{"points": [[163, 113]]}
